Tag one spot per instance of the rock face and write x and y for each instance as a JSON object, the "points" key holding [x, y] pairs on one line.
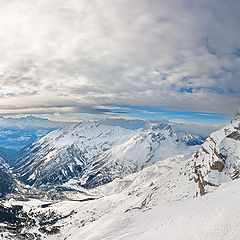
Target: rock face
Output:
{"points": [[218, 160], [6, 184], [93, 154], [6, 181]]}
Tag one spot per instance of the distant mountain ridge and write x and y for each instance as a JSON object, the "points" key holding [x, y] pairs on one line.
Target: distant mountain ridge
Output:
{"points": [[30, 122], [16, 133]]}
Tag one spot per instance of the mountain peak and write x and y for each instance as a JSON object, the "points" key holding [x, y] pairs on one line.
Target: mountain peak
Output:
{"points": [[161, 126]]}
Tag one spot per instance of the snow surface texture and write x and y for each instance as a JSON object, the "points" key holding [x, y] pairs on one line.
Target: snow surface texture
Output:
{"points": [[95, 154], [211, 217]]}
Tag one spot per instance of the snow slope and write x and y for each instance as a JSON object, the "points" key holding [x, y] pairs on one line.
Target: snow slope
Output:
{"points": [[211, 217]]}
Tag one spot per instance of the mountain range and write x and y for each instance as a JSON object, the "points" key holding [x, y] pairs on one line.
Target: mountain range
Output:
{"points": [[93, 153], [97, 181]]}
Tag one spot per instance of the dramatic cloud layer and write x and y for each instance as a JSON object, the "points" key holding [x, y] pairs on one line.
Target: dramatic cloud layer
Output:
{"points": [[83, 56]]}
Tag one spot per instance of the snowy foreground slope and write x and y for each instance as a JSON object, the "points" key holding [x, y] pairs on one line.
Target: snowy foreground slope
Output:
{"points": [[211, 217], [94, 154]]}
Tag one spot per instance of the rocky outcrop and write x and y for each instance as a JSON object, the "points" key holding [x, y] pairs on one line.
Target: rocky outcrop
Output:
{"points": [[218, 160]]}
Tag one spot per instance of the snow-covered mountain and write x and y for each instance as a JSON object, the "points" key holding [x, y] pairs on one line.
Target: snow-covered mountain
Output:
{"points": [[217, 161], [141, 205], [193, 128], [93, 153]]}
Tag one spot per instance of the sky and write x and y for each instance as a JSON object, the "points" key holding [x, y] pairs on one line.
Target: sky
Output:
{"points": [[78, 59]]}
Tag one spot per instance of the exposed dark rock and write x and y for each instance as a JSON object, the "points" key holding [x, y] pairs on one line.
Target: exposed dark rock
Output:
{"points": [[6, 184], [234, 135], [217, 165], [50, 231]]}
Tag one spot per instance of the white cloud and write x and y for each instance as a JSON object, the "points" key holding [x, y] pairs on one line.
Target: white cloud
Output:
{"points": [[76, 56]]}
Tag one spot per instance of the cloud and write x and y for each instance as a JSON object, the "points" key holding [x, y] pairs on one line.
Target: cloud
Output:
{"points": [[82, 56]]}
